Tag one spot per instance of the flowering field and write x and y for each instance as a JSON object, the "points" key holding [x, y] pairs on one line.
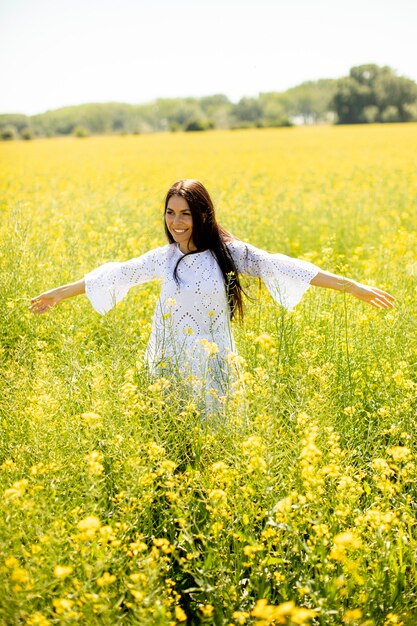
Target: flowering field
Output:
{"points": [[120, 506]]}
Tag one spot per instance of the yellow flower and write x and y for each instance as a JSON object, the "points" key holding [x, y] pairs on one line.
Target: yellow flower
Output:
{"points": [[136, 547], [210, 347], [89, 525], [37, 619], [265, 341], [106, 579], [217, 495], [352, 615], [62, 571], [138, 577], [240, 617], [180, 615], [163, 545], [252, 443], [393, 620], [95, 466], [250, 551], [138, 595], [11, 562], [256, 464], [347, 539], [300, 616], [8, 465], [207, 610], [342, 543], [17, 490], [92, 419], [20, 575], [268, 612], [61, 605], [399, 453]]}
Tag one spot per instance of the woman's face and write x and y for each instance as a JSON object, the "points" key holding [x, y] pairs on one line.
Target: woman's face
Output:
{"points": [[179, 222]]}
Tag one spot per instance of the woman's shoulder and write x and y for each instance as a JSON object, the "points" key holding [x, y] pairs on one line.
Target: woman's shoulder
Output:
{"points": [[231, 240], [234, 244]]}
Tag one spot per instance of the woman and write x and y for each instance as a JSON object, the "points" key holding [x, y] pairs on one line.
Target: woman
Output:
{"points": [[191, 336]]}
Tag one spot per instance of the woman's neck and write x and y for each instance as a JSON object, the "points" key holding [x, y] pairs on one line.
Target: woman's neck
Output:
{"points": [[185, 248]]}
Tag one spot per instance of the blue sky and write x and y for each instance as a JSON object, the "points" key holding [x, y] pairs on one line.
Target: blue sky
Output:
{"points": [[58, 52]]}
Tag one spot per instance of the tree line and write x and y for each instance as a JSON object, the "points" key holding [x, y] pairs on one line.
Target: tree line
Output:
{"points": [[369, 94]]}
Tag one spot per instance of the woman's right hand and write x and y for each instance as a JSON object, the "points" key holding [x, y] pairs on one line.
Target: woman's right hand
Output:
{"points": [[44, 302]]}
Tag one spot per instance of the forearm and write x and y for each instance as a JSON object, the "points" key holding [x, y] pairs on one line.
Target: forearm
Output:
{"points": [[333, 281], [70, 290], [372, 295]]}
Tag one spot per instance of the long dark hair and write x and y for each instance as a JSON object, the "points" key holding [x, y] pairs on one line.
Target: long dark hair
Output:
{"points": [[208, 234]]}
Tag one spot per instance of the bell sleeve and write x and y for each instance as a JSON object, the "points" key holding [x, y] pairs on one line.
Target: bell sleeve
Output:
{"points": [[108, 284], [286, 278]]}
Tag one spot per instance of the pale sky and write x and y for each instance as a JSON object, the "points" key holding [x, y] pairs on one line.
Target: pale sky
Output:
{"points": [[55, 53]]}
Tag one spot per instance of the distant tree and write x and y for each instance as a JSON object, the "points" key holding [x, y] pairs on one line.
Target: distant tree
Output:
{"points": [[118, 123], [351, 100], [80, 132], [178, 112], [370, 113], [368, 74], [390, 114], [217, 109], [248, 110], [274, 107], [14, 119], [198, 124], [209, 104], [374, 94], [311, 101], [396, 91], [8, 132], [27, 133], [279, 122]]}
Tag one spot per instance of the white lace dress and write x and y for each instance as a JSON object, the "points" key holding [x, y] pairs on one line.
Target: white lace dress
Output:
{"points": [[191, 336]]}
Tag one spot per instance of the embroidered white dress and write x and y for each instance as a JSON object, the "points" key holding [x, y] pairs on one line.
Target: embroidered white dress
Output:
{"points": [[191, 335]]}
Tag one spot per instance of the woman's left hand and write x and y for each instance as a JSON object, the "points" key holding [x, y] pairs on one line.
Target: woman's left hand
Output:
{"points": [[372, 295]]}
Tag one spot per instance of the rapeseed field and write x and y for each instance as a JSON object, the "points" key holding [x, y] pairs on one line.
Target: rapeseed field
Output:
{"points": [[118, 504]]}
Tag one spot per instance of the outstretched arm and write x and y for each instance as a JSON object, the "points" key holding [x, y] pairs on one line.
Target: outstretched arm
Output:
{"points": [[374, 296], [49, 299]]}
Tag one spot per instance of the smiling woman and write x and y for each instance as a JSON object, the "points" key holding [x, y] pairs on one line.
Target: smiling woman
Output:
{"points": [[191, 338]]}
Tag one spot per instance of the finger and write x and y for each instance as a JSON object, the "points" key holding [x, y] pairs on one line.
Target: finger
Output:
{"points": [[384, 293], [379, 303], [39, 308], [384, 302]]}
